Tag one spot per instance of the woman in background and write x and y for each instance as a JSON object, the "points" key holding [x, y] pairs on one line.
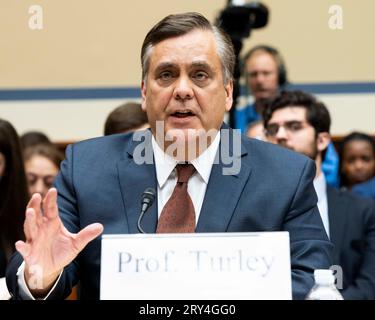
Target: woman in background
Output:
{"points": [[13, 194], [42, 163], [357, 159]]}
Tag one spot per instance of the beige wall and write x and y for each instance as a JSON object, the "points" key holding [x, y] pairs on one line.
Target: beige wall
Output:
{"points": [[97, 43], [84, 42], [92, 43]]}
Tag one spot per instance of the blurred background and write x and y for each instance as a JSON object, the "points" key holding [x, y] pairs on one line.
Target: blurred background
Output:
{"points": [[65, 78]]}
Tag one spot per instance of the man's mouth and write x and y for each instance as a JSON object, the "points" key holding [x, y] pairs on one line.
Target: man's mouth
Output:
{"points": [[182, 114]]}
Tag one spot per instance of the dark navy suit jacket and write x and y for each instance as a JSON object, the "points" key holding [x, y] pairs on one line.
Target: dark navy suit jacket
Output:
{"points": [[352, 231], [101, 182]]}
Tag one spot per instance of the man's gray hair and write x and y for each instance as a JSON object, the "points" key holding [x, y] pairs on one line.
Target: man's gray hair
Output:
{"points": [[176, 25]]}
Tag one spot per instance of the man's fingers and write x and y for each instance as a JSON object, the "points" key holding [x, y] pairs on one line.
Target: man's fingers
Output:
{"points": [[50, 204], [88, 234], [23, 248], [35, 203], [30, 226]]}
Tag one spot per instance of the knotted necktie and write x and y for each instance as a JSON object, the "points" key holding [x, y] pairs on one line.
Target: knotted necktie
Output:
{"points": [[178, 214]]}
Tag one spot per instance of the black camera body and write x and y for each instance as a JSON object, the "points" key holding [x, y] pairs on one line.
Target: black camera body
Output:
{"points": [[238, 21]]}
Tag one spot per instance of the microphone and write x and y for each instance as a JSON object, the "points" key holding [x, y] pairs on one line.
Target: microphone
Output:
{"points": [[148, 197]]}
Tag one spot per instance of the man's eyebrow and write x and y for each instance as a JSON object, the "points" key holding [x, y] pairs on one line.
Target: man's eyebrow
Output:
{"points": [[201, 64], [164, 65], [170, 65]]}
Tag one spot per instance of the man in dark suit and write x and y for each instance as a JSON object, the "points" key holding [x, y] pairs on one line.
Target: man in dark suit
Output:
{"points": [[236, 184], [296, 120]]}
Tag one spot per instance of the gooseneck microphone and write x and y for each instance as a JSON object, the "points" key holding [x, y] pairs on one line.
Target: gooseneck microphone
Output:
{"points": [[148, 198]]}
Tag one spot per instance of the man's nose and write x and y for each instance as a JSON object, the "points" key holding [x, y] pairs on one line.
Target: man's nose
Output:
{"points": [[281, 134], [183, 89], [260, 78]]}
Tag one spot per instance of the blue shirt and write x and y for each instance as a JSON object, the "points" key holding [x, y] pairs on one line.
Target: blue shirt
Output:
{"points": [[243, 117], [365, 189]]}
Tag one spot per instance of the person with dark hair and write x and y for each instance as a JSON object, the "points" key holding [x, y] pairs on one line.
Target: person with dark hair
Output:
{"points": [[42, 163], [297, 121], [127, 117], [13, 192], [31, 138], [265, 74], [357, 155], [187, 86]]}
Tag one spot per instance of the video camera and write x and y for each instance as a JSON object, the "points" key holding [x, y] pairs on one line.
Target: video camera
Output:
{"points": [[237, 20]]}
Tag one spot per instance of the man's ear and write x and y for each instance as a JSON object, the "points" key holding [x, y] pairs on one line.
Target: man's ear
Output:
{"points": [[143, 92], [229, 95], [323, 140]]}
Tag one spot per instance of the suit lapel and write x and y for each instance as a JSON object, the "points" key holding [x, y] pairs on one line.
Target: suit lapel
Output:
{"points": [[134, 179], [336, 216], [223, 191]]}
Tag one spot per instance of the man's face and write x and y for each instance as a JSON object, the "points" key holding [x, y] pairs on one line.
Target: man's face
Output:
{"points": [[288, 127], [262, 75], [184, 86]]}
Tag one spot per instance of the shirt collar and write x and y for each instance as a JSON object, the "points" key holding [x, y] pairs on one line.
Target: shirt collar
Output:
{"points": [[320, 186], [165, 164]]}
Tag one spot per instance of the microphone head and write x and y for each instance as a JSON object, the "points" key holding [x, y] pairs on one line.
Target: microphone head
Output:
{"points": [[149, 194]]}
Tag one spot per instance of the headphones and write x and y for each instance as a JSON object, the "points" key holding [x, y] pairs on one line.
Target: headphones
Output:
{"points": [[281, 69]]}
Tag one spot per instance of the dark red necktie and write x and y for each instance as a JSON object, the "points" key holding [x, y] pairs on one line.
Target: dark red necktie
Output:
{"points": [[178, 214]]}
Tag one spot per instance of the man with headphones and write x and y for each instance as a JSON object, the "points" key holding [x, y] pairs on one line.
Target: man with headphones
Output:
{"points": [[265, 74]]}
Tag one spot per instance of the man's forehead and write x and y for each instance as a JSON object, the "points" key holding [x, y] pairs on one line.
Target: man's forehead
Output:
{"points": [[261, 58], [193, 42], [292, 113]]}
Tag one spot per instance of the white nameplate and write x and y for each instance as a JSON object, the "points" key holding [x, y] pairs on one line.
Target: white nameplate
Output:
{"points": [[196, 266]]}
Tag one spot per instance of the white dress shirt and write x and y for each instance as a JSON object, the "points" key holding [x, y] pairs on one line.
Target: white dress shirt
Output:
{"points": [[166, 176], [320, 185], [4, 294]]}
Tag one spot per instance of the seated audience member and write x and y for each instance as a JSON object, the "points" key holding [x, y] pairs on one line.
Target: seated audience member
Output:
{"points": [[256, 130], [101, 181], [13, 196], [125, 118], [42, 163], [357, 159], [265, 74], [296, 120], [365, 189], [31, 138]]}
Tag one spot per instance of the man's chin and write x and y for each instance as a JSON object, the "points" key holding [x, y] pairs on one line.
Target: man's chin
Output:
{"points": [[264, 95], [188, 143]]}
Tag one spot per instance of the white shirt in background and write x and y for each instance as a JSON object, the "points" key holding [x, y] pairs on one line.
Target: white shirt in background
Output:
{"points": [[320, 186]]}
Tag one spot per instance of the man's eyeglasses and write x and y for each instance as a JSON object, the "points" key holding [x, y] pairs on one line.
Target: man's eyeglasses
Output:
{"points": [[290, 126]]}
